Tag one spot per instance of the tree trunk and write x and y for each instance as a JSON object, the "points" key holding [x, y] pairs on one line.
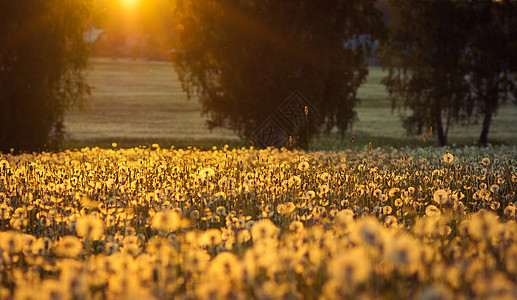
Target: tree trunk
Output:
{"points": [[442, 136], [483, 138], [302, 139]]}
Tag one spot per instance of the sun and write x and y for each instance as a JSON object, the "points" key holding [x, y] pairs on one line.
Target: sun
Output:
{"points": [[129, 3]]}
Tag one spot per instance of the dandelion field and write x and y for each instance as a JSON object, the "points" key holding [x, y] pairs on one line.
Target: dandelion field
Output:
{"points": [[153, 223]]}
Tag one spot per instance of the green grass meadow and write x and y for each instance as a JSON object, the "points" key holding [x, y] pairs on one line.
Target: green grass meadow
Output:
{"points": [[141, 103]]}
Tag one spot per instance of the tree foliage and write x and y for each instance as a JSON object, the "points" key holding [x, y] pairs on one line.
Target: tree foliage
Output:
{"points": [[42, 58], [423, 52], [492, 57], [450, 61], [242, 59]]}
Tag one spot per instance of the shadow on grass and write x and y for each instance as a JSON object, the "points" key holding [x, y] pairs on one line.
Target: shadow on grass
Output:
{"points": [[204, 144], [336, 142], [325, 142]]}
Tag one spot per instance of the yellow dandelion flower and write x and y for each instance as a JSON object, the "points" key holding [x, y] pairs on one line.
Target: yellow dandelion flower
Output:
{"points": [[483, 225], [90, 227], [211, 237], [167, 220], [431, 226], [286, 209], [11, 242], [323, 189], [243, 236], [222, 183], [393, 192], [386, 210], [303, 166], [403, 251], [432, 210], [124, 283], [324, 176], [345, 219], [350, 269], [69, 246], [384, 198], [510, 211], [5, 211], [264, 230], [441, 196], [494, 188], [295, 181], [206, 173], [368, 231], [4, 165], [495, 205], [296, 226], [220, 196], [309, 195], [110, 248], [225, 266], [411, 190], [220, 211], [391, 222]]}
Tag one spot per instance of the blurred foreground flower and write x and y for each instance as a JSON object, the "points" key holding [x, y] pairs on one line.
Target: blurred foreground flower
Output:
{"points": [[90, 228], [168, 221], [69, 246]]}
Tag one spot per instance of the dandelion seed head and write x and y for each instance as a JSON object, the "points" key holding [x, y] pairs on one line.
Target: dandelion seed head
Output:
{"points": [[303, 166], [351, 268], [432, 210], [90, 227], [69, 246], [167, 221], [448, 158], [441, 196]]}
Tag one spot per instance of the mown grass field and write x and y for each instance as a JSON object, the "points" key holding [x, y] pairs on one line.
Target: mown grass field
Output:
{"points": [[141, 103]]}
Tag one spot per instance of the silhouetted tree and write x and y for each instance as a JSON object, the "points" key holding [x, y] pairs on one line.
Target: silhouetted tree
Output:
{"points": [[42, 56], [244, 58], [491, 54], [424, 53], [451, 61]]}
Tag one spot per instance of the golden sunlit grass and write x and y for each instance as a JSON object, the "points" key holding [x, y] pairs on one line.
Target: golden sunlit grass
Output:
{"points": [[153, 223]]}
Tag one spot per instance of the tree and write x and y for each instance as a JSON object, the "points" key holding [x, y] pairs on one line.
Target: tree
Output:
{"points": [[244, 58], [42, 58], [424, 53], [491, 55]]}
